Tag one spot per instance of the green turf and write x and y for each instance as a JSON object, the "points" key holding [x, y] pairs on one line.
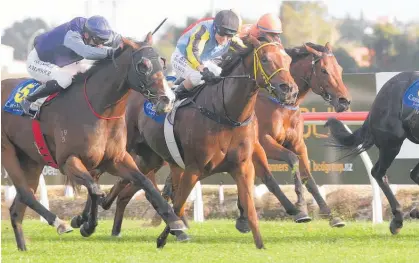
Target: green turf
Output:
{"points": [[217, 241]]}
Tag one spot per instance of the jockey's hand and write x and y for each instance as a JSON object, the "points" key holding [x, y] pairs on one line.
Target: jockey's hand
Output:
{"points": [[200, 68], [114, 52], [208, 76]]}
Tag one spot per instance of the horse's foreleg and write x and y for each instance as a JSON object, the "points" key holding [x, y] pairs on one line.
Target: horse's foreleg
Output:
{"points": [[245, 177], [128, 170], [183, 188], [308, 180], [278, 152], [170, 189], [260, 163], [107, 201], [75, 169], [168, 194]]}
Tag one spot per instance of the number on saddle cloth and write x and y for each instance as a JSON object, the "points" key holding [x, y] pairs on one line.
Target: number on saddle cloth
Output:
{"points": [[20, 92]]}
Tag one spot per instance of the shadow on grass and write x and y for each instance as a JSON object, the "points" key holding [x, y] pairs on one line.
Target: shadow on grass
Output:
{"points": [[219, 239]]}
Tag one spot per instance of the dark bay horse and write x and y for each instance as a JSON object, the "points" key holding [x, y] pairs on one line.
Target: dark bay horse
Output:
{"points": [[84, 128], [210, 147], [389, 122], [314, 68]]}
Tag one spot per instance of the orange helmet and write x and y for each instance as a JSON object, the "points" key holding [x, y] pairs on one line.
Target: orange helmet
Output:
{"points": [[269, 23]]}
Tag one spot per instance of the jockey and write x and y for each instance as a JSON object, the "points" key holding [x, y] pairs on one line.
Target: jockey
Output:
{"points": [[56, 56], [268, 25], [199, 49]]}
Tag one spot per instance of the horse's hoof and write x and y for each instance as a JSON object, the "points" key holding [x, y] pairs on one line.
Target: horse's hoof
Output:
{"points": [[103, 204], [242, 224], [395, 227], [414, 213], [22, 248], [64, 228], [118, 235], [261, 246], [302, 217], [85, 231], [77, 221], [182, 237], [337, 222], [161, 242], [177, 225]]}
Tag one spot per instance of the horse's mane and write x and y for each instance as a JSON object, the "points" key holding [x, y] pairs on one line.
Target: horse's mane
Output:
{"points": [[99, 64], [297, 53], [233, 57]]}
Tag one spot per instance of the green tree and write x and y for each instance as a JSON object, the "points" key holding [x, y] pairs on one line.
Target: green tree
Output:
{"points": [[347, 62], [352, 29], [19, 35], [306, 22]]}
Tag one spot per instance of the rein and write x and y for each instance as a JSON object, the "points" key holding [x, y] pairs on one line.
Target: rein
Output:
{"points": [[93, 110], [268, 86]]}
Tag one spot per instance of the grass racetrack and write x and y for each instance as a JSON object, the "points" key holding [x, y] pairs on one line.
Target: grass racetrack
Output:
{"points": [[217, 241]]}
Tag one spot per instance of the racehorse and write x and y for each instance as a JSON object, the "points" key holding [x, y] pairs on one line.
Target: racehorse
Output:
{"points": [[281, 127], [314, 68], [393, 118], [84, 129], [217, 131]]}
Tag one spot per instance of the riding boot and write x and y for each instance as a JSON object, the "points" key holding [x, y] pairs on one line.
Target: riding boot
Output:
{"points": [[49, 88]]}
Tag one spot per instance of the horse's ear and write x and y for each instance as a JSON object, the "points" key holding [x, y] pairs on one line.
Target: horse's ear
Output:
{"points": [[149, 39], [312, 50], [328, 47]]}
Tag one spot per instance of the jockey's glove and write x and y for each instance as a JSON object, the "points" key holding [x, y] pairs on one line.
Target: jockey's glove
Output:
{"points": [[208, 76]]}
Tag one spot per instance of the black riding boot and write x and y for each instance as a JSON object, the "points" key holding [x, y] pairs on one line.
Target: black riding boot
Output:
{"points": [[49, 88]]}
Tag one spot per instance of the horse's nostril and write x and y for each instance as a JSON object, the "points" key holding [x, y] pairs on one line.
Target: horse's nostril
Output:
{"points": [[285, 88]]}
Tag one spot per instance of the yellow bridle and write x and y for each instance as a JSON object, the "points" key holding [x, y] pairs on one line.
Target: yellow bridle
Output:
{"points": [[257, 65]]}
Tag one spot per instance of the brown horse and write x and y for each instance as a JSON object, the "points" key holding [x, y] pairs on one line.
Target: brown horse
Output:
{"points": [[281, 127], [209, 147], [314, 67], [85, 129]]}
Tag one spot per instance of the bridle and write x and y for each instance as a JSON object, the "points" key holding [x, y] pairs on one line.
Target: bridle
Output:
{"points": [[323, 93]]}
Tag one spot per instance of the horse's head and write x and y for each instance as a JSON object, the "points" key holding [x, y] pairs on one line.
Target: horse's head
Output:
{"points": [[146, 76], [326, 78], [271, 68]]}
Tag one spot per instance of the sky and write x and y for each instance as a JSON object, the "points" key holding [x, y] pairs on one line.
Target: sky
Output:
{"points": [[132, 18]]}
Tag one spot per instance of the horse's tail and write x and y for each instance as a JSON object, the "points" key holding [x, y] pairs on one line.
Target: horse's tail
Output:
{"points": [[68, 181], [353, 143]]}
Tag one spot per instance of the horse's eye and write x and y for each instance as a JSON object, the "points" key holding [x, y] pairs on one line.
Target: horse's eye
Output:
{"points": [[324, 71], [264, 59], [144, 66]]}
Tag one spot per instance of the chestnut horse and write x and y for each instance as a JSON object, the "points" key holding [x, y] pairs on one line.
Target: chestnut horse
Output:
{"points": [[209, 146], [84, 128], [314, 68]]}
